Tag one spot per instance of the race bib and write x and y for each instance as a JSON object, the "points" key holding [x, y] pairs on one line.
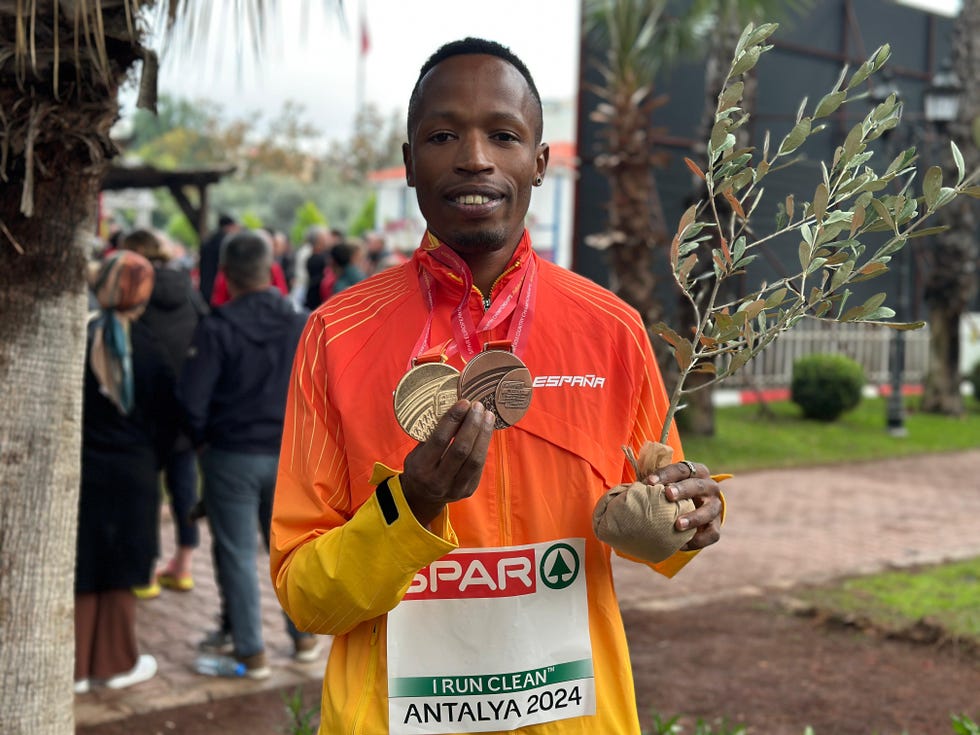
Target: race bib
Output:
{"points": [[492, 639]]}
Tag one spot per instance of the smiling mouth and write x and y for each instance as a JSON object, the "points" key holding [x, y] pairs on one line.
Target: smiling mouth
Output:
{"points": [[472, 199]]}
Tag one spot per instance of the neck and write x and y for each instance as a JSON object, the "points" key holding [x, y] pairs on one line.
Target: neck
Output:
{"points": [[235, 292]]}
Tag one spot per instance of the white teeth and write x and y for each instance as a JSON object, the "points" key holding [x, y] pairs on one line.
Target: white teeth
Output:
{"points": [[472, 199]]}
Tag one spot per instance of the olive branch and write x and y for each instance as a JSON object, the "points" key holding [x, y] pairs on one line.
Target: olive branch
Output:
{"points": [[851, 200]]}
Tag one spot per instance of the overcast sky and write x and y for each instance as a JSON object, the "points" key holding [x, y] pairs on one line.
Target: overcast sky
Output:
{"points": [[320, 71], [317, 66]]}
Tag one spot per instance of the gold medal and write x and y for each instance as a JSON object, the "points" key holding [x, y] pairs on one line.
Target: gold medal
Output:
{"points": [[421, 395], [501, 382], [445, 396]]}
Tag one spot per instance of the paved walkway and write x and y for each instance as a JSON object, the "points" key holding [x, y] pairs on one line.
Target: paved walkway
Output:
{"points": [[784, 527]]}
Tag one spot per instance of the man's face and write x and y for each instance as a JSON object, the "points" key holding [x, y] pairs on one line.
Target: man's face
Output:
{"points": [[323, 242], [473, 155]]}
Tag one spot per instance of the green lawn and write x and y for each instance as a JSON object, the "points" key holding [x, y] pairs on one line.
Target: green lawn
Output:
{"points": [[947, 594], [745, 439]]}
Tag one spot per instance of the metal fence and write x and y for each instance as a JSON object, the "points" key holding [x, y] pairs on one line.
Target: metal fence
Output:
{"points": [[867, 345]]}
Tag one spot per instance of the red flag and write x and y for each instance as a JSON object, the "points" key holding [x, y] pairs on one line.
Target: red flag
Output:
{"points": [[365, 37]]}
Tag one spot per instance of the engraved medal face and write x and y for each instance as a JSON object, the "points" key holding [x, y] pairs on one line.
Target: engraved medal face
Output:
{"points": [[481, 378], [513, 396], [415, 398], [445, 396]]}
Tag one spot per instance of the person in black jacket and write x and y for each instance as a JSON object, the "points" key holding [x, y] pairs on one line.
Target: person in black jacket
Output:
{"points": [[174, 310], [207, 265], [232, 389]]}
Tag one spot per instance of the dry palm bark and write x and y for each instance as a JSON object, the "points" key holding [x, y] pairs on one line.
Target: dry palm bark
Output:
{"points": [[636, 225]]}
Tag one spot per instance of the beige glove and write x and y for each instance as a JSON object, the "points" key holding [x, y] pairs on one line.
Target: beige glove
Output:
{"points": [[637, 519]]}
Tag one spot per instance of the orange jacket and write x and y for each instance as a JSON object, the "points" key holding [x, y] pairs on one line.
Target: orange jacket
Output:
{"points": [[339, 566]]}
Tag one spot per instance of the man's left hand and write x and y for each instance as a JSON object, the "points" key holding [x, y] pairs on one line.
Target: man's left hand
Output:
{"points": [[680, 482]]}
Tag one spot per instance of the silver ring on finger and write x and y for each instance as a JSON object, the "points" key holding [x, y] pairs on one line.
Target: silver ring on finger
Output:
{"points": [[690, 466]]}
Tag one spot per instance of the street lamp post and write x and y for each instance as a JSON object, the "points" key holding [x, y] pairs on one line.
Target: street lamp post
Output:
{"points": [[895, 406], [940, 103]]}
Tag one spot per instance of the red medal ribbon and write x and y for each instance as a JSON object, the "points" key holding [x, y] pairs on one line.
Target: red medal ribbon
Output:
{"points": [[465, 333]]}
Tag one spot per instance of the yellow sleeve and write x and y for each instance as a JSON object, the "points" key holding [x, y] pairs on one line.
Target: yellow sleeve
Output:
{"points": [[359, 570]]}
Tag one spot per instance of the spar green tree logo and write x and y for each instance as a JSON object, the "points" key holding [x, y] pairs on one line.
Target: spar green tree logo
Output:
{"points": [[559, 566]]}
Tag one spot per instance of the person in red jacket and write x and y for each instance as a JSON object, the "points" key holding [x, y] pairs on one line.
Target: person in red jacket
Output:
{"points": [[447, 544]]}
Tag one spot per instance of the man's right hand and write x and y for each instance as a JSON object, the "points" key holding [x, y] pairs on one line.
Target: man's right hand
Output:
{"points": [[448, 465]]}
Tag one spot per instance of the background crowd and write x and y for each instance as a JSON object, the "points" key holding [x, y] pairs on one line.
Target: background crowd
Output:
{"points": [[187, 368]]}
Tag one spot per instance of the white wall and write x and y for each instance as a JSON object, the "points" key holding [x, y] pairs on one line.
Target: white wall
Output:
{"points": [[969, 341]]}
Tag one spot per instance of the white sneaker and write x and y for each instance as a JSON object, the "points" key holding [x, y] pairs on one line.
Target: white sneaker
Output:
{"points": [[308, 649], [256, 666], [83, 686], [145, 669]]}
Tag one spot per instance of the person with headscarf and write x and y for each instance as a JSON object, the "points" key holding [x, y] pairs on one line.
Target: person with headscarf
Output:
{"points": [[129, 420]]}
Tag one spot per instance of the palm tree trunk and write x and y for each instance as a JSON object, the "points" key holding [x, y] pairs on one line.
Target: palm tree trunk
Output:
{"points": [[941, 393], [636, 219], [952, 280], [42, 348]]}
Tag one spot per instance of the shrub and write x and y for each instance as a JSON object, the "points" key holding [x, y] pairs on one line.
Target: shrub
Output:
{"points": [[181, 229], [306, 216], [825, 386]]}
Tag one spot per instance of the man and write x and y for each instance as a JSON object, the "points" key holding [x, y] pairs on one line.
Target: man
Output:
{"points": [[375, 250], [207, 266], [232, 389], [344, 268], [318, 267], [173, 313], [467, 591]]}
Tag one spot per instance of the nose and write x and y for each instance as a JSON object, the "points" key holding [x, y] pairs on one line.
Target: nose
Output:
{"points": [[474, 154]]}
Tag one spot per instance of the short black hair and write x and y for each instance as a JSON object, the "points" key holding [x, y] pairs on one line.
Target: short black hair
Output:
{"points": [[246, 259], [341, 254], [472, 46]]}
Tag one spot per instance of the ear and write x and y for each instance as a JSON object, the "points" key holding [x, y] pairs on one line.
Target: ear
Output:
{"points": [[541, 159], [409, 166]]}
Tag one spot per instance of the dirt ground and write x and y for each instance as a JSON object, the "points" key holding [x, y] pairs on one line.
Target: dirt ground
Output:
{"points": [[749, 660]]}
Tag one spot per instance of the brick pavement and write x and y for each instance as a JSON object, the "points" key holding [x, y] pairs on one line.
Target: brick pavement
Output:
{"points": [[170, 626], [784, 527]]}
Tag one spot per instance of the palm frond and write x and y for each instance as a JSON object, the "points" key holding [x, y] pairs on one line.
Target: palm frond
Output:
{"points": [[48, 33], [62, 63], [201, 31]]}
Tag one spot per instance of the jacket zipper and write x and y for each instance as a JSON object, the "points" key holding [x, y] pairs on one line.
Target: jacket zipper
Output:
{"points": [[507, 271], [503, 490], [368, 680]]}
